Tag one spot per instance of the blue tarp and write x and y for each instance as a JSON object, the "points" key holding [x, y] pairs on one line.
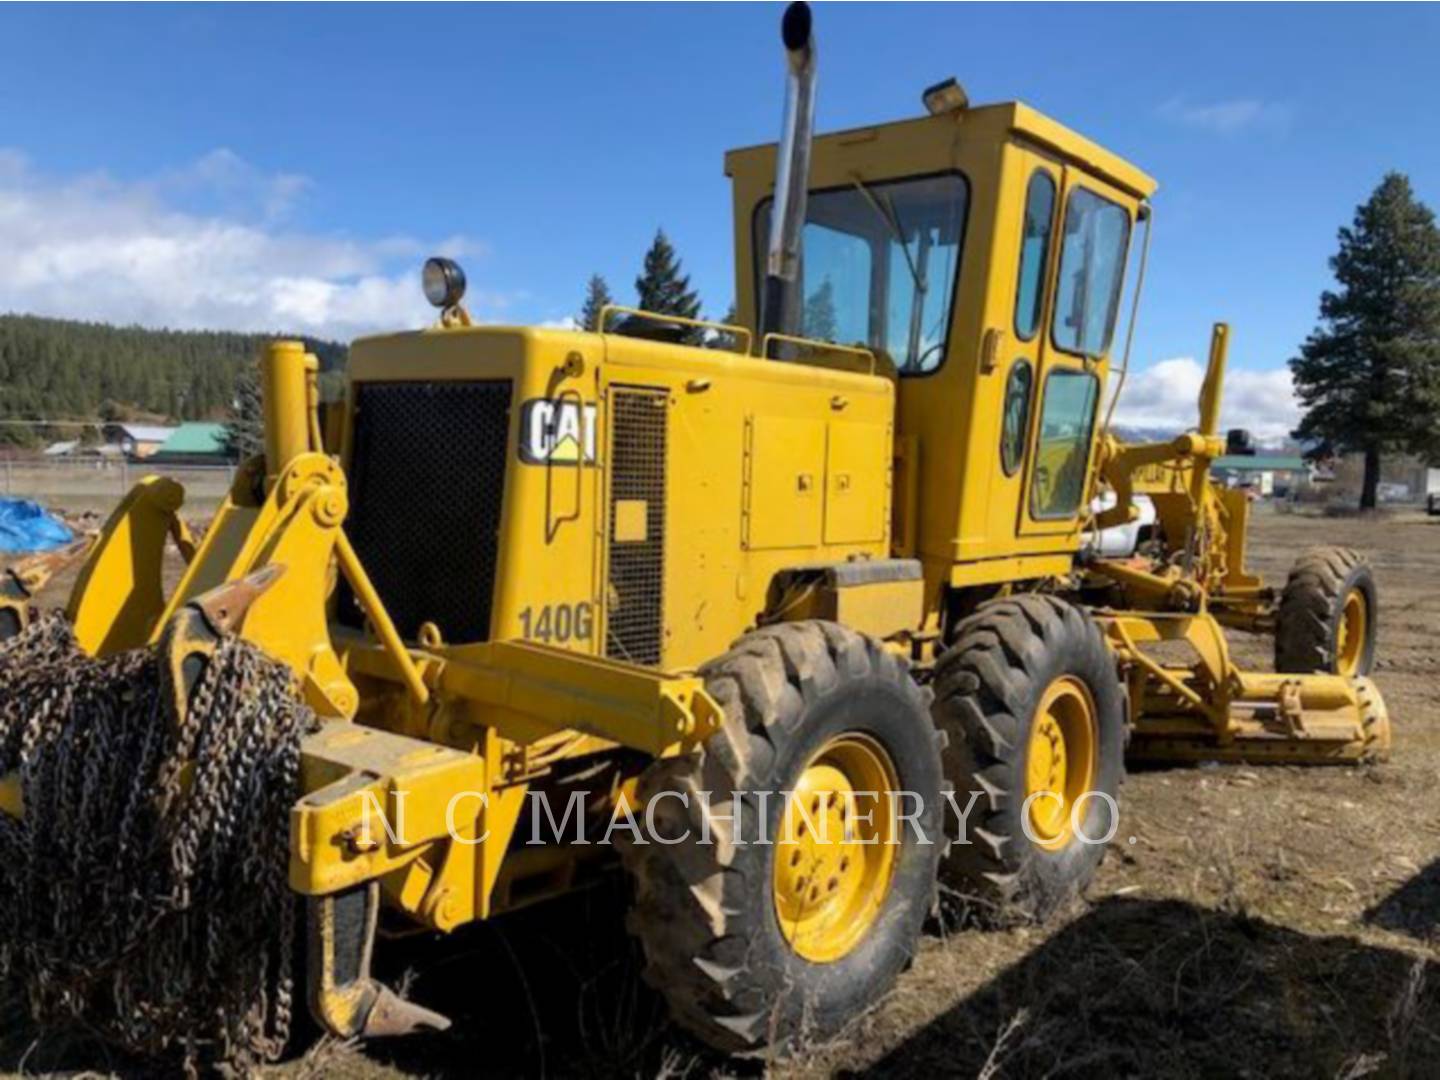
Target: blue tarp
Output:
{"points": [[26, 526]]}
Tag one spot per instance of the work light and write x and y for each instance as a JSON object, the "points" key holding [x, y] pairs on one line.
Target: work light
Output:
{"points": [[944, 97], [443, 282]]}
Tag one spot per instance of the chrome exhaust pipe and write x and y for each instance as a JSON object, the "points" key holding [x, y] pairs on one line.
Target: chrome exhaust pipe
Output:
{"points": [[780, 307]]}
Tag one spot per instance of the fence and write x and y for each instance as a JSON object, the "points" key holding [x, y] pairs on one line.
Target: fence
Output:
{"points": [[87, 484]]}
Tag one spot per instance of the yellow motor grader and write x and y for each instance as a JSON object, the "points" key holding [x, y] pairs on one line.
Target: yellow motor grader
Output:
{"points": [[810, 618]]}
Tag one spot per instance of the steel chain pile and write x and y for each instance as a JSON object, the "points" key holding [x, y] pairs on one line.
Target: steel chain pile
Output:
{"points": [[144, 895]]}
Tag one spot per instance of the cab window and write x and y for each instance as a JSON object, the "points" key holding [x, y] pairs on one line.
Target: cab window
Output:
{"points": [[1092, 267], [1062, 449], [1034, 254], [1015, 416], [837, 306], [879, 263]]}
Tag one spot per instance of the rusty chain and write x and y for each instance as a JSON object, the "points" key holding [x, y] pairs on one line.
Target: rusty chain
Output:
{"points": [[144, 894]]}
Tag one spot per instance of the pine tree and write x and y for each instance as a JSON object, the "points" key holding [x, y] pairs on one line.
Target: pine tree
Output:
{"points": [[1368, 377], [719, 339], [820, 313], [663, 289], [61, 370], [245, 427], [597, 295]]}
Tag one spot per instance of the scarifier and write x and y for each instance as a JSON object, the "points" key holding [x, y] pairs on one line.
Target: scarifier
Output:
{"points": [[845, 549]]}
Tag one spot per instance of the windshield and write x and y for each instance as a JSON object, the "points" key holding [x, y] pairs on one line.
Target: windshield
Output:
{"points": [[878, 265]]}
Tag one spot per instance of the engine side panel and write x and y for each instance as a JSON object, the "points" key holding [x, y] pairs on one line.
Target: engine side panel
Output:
{"points": [[651, 490]]}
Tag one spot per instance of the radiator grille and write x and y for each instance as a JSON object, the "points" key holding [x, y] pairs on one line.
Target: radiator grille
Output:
{"points": [[426, 478], [635, 615]]}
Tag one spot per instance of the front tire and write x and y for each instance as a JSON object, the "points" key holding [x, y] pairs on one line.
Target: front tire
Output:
{"points": [[1034, 712], [755, 944], [1328, 615]]}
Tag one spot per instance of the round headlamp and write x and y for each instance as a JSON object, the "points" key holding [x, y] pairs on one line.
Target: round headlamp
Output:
{"points": [[443, 282]]}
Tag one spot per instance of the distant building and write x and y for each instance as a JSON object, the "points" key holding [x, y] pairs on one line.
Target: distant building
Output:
{"points": [[76, 450], [1267, 474], [1409, 480], [137, 440], [194, 444], [1403, 478]]}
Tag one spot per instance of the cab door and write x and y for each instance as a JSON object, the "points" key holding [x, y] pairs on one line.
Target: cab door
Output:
{"points": [[1020, 366], [1087, 258]]}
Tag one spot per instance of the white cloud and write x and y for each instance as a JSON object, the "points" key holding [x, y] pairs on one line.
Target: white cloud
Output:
{"points": [[224, 177], [1227, 117], [1166, 395], [203, 246]]}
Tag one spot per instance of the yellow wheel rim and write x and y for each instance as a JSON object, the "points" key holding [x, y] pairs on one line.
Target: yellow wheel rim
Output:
{"points": [[1350, 636], [838, 843], [1060, 767]]}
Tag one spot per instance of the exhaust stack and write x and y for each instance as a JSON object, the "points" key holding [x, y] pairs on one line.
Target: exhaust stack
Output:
{"points": [[780, 306]]}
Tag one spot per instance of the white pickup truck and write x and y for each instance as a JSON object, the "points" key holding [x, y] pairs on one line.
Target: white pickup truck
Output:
{"points": [[1121, 541]]}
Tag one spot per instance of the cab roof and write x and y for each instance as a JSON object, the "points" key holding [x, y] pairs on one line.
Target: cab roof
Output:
{"points": [[1009, 119]]}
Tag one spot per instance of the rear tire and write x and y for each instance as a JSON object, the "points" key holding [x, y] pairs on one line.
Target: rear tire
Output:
{"points": [[1030, 701], [797, 698], [1328, 614]]}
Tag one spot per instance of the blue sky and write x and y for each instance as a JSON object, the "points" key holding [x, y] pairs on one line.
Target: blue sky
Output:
{"points": [[288, 167]]}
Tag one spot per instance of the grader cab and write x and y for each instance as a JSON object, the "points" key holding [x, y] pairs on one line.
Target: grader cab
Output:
{"points": [[810, 612]]}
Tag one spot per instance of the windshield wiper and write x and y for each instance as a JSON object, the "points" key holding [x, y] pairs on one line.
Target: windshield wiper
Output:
{"points": [[892, 222], [888, 215]]}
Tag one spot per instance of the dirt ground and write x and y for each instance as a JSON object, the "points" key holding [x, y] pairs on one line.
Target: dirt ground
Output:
{"points": [[1253, 922]]}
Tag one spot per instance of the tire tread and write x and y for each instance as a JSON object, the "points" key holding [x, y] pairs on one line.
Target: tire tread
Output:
{"points": [[686, 912], [1308, 607]]}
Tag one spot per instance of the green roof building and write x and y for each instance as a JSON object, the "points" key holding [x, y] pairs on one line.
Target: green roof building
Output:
{"points": [[1261, 463], [195, 444], [1266, 474]]}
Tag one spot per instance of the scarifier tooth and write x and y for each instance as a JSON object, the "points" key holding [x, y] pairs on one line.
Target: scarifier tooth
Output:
{"points": [[225, 606], [31, 573]]}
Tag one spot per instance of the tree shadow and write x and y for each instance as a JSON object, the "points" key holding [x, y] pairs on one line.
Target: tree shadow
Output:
{"points": [[550, 991], [1132, 988], [553, 990], [1165, 988], [1413, 908], [27, 1051]]}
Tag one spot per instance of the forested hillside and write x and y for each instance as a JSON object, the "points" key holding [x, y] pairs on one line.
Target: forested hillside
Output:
{"points": [[58, 370]]}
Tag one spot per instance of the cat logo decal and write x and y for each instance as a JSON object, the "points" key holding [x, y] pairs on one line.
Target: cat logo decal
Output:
{"points": [[557, 431]]}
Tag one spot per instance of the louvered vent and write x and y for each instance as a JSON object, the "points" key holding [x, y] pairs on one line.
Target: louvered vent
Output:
{"points": [[635, 615]]}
